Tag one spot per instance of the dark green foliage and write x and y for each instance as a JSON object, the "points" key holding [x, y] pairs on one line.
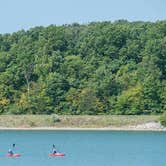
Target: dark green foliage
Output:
{"points": [[98, 68]]}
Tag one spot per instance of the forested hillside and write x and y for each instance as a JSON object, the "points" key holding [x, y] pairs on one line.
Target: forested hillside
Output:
{"points": [[98, 68]]}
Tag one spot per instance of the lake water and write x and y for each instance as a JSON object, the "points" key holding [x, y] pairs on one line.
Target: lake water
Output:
{"points": [[84, 148]]}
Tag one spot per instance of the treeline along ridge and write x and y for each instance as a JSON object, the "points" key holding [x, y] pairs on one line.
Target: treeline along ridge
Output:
{"points": [[97, 68]]}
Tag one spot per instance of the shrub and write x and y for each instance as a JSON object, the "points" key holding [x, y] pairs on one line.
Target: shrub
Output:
{"points": [[32, 124], [55, 119], [163, 119]]}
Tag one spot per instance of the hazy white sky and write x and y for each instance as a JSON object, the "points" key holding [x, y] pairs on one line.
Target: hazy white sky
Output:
{"points": [[24, 14]]}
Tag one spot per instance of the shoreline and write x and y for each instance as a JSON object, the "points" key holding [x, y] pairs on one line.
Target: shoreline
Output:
{"points": [[81, 123], [82, 129]]}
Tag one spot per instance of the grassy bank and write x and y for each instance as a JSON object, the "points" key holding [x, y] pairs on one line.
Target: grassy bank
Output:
{"points": [[74, 121]]}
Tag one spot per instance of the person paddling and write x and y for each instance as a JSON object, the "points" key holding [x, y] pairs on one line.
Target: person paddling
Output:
{"points": [[10, 151], [54, 149]]}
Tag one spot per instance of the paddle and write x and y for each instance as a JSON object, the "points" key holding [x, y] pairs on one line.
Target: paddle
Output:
{"points": [[53, 147], [13, 146]]}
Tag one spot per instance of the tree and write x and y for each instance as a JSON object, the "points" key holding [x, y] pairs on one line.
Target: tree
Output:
{"points": [[89, 103], [129, 102]]}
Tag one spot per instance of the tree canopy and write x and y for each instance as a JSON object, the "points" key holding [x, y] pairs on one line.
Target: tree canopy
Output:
{"points": [[98, 68]]}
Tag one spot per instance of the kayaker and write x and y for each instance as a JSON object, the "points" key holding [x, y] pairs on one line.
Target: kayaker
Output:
{"points": [[10, 152], [54, 149]]}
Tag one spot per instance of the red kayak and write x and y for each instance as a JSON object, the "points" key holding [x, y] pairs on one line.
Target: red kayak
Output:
{"points": [[56, 154], [13, 155]]}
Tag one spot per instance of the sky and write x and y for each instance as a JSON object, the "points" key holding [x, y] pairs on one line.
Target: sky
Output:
{"points": [[24, 14]]}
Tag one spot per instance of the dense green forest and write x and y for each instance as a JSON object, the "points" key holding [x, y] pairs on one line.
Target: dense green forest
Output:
{"points": [[97, 68]]}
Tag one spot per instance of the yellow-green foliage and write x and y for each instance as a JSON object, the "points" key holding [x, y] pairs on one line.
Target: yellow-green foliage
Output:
{"points": [[130, 99]]}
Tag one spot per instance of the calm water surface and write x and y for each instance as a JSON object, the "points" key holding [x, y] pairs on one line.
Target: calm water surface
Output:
{"points": [[84, 148]]}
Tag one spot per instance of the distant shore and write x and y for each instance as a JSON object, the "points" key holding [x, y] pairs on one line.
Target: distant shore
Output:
{"points": [[82, 129], [81, 122]]}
